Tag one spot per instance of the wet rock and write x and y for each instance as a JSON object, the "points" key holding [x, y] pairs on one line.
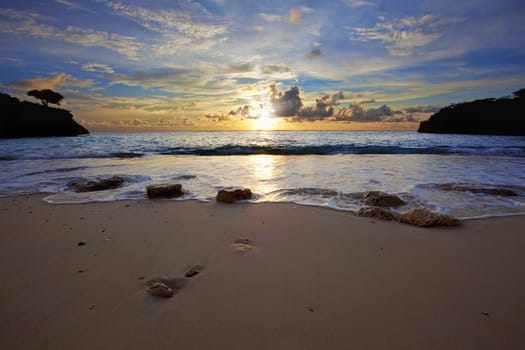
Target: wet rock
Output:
{"points": [[164, 191], [164, 287], [227, 196], [425, 218], [195, 270], [381, 199], [101, 184], [159, 289], [242, 245], [376, 212], [481, 190]]}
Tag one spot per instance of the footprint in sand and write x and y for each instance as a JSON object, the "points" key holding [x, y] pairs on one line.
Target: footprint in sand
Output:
{"points": [[242, 245]]}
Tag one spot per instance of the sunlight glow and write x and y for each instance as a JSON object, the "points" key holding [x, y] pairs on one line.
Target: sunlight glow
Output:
{"points": [[264, 119]]}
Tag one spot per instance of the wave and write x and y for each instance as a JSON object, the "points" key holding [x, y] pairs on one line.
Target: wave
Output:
{"points": [[59, 170], [339, 149], [284, 150]]}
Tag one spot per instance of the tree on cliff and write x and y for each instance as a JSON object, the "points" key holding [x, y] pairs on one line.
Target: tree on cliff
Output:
{"points": [[46, 96]]}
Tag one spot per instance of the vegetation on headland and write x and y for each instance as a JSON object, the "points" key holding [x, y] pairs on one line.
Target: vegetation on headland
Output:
{"points": [[27, 119], [490, 116]]}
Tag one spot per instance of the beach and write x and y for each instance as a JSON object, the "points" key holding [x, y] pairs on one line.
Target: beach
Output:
{"points": [[272, 276]]}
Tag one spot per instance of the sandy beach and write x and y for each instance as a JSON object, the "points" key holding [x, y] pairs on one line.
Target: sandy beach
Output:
{"points": [[74, 277]]}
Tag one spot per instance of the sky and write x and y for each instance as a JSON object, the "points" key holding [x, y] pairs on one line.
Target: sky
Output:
{"points": [[243, 65]]}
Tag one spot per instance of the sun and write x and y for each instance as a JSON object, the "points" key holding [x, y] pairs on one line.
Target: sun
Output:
{"points": [[263, 119]]}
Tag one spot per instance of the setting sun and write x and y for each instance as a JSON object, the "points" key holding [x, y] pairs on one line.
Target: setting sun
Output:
{"points": [[265, 119]]}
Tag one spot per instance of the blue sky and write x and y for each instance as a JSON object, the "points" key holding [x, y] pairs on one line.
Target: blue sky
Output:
{"points": [[220, 64]]}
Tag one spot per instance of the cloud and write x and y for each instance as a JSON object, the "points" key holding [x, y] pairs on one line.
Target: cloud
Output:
{"points": [[51, 82], [356, 112], [217, 117], [168, 21], [358, 3], [422, 109], [289, 104], [244, 111], [402, 36], [314, 53], [98, 68], [26, 23], [71, 5], [136, 124], [293, 16]]}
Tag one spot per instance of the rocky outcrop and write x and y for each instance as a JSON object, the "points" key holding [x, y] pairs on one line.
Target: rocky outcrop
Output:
{"points": [[227, 196], [164, 191], [502, 116], [376, 212], [425, 218], [27, 119], [84, 185], [381, 199]]}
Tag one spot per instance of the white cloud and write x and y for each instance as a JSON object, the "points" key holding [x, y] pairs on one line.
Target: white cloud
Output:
{"points": [[98, 67], [25, 23], [402, 36], [294, 15], [359, 3], [166, 21], [71, 4]]}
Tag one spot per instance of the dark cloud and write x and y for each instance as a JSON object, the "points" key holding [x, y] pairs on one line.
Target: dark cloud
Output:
{"points": [[275, 68], [244, 111], [357, 113], [287, 104], [217, 117], [324, 108], [422, 109], [290, 104], [314, 53]]}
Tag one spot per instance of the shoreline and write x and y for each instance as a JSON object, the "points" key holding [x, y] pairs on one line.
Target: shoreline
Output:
{"points": [[298, 277]]}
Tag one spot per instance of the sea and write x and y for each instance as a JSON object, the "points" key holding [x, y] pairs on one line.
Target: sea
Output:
{"points": [[317, 168]]}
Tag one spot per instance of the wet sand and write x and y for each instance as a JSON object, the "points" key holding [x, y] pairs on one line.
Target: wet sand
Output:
{"points": [[269, 276]]}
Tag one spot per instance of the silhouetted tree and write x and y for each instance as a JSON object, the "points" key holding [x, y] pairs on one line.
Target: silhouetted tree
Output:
{"points": [[519, 94], [46, 96]]}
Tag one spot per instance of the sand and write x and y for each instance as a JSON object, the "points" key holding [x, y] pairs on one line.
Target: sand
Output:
{"points": [[270, 276]]}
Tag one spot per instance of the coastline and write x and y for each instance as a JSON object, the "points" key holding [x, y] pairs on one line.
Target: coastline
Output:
{"points": [[307, 277]]}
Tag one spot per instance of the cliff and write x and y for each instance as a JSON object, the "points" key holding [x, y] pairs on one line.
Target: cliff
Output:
{"points": [[491, 116], [26, 119]]}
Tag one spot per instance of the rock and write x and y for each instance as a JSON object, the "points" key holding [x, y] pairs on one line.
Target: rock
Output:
{"points": [[27, 119], [101, 184], [375, 212], [425, 218], [195, 270], [381, 199], [482, 190], [242, 245], [164, 191], [233, 196], [159, 289]]}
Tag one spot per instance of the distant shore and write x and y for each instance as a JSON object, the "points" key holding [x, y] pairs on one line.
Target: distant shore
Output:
{"points": [[270, 276]]}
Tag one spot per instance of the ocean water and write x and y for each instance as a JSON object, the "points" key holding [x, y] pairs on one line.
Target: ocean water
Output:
{"points": [[322, 168]]}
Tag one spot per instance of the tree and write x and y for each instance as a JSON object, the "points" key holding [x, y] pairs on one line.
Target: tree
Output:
{"points": [[519, 94], [46, 96]]}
